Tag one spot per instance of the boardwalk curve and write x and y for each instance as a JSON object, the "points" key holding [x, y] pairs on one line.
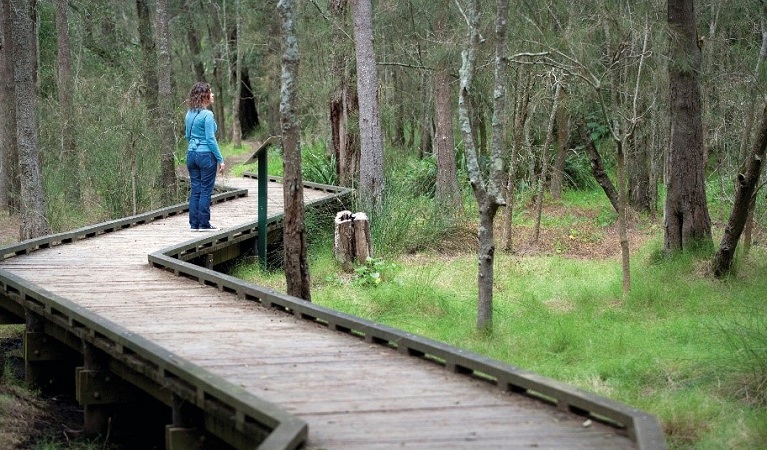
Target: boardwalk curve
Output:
{"points": [[270, 371]]}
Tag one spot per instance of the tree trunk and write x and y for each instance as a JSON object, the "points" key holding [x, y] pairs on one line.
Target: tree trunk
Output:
{"points": [[545, 162], [488, 195], [193, 39], [66, 89], [563, 136], [520, 122], [294, 229], [168, 136], [33, 222], [638, 161], [237, 88], [371, 157], [745, 188], [687, 223], [218, 40], [448, 193], [597, 168], [10, 187], [149, 55], [343, 104]]}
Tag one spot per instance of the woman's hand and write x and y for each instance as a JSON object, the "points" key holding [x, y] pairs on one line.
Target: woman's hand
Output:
{"points": [[221, 168]]}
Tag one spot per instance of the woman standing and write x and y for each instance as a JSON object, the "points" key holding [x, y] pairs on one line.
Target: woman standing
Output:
{"points": [[203, 156]]}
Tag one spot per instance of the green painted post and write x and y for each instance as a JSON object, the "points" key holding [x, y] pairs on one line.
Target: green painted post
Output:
{"points": [[262, 183]]}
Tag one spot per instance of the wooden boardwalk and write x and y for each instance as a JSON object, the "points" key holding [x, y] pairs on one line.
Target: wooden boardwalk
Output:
{"points": [[352, 393]]}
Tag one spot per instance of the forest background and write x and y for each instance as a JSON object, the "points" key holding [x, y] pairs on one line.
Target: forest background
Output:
{"points": [[581, 79]]}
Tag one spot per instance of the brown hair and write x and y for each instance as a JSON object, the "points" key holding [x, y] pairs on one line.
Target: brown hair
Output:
{"points": [[198, 96]]}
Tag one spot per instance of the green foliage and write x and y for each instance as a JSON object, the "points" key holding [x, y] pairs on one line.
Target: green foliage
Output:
{"points": [[374, 272], [419, 177], [317, 166], [578, 171]]}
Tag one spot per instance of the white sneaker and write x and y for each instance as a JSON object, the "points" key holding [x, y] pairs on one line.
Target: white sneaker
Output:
{"points": [[210, 228]]}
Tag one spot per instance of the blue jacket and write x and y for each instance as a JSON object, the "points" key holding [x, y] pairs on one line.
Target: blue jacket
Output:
{"points": [[201, 132]]}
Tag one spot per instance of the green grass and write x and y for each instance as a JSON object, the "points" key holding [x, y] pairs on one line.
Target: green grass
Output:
{"points": [[683, 346]]}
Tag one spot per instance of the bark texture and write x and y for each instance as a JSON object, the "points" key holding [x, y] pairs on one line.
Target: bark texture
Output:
{"points": [[686, 223], [33, 221], [371, 142], [447, 190], [10, 186], [167, 135], [294, 229]]}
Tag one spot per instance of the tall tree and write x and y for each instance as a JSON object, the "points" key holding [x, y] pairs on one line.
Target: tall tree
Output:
{"points": [[371, 142], [167, 135], [33, 221], [488, 193], [447, 190], [10, 186], [687, 223], [66, 89], [294, 229]]}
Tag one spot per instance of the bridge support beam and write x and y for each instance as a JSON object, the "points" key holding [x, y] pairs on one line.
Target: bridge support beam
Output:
{"points": [[187, 432], [100, 392], [44, 357]]}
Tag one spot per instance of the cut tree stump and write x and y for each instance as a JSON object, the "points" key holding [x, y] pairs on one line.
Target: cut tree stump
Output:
{"points": [[352, 243]]}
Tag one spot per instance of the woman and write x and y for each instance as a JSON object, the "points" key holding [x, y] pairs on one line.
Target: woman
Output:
{"points": [[203, 156]]}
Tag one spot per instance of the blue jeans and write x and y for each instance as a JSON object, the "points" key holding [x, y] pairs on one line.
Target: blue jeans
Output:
{"points": [[202, 175]]}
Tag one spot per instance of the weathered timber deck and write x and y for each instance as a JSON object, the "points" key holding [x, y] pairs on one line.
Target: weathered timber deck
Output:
{"points": [[352, 393]]}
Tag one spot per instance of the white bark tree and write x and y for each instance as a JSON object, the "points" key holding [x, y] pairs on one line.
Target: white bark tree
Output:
{"points": [[487, 189]]}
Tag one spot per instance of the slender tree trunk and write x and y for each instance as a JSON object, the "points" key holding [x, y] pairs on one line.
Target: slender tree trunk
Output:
{"points": [[168, 136], [520, 122], [686, 223], [66, 89], [193, 40], [623, 218], [149, 57], [545, 162], [237, 90], [447, 190], [219, 43], [747, 232], [745, 188], [33, 221], [296, 264], [597, 168], [563, 136], [371, 158], [488, 195]]}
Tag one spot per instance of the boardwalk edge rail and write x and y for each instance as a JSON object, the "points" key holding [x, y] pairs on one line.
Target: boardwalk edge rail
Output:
{"points": [[284, 430]]}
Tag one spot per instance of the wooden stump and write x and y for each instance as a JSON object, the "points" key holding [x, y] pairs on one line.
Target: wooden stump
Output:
{"points": [[352, 243], [343, 241], [362, 246]]}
